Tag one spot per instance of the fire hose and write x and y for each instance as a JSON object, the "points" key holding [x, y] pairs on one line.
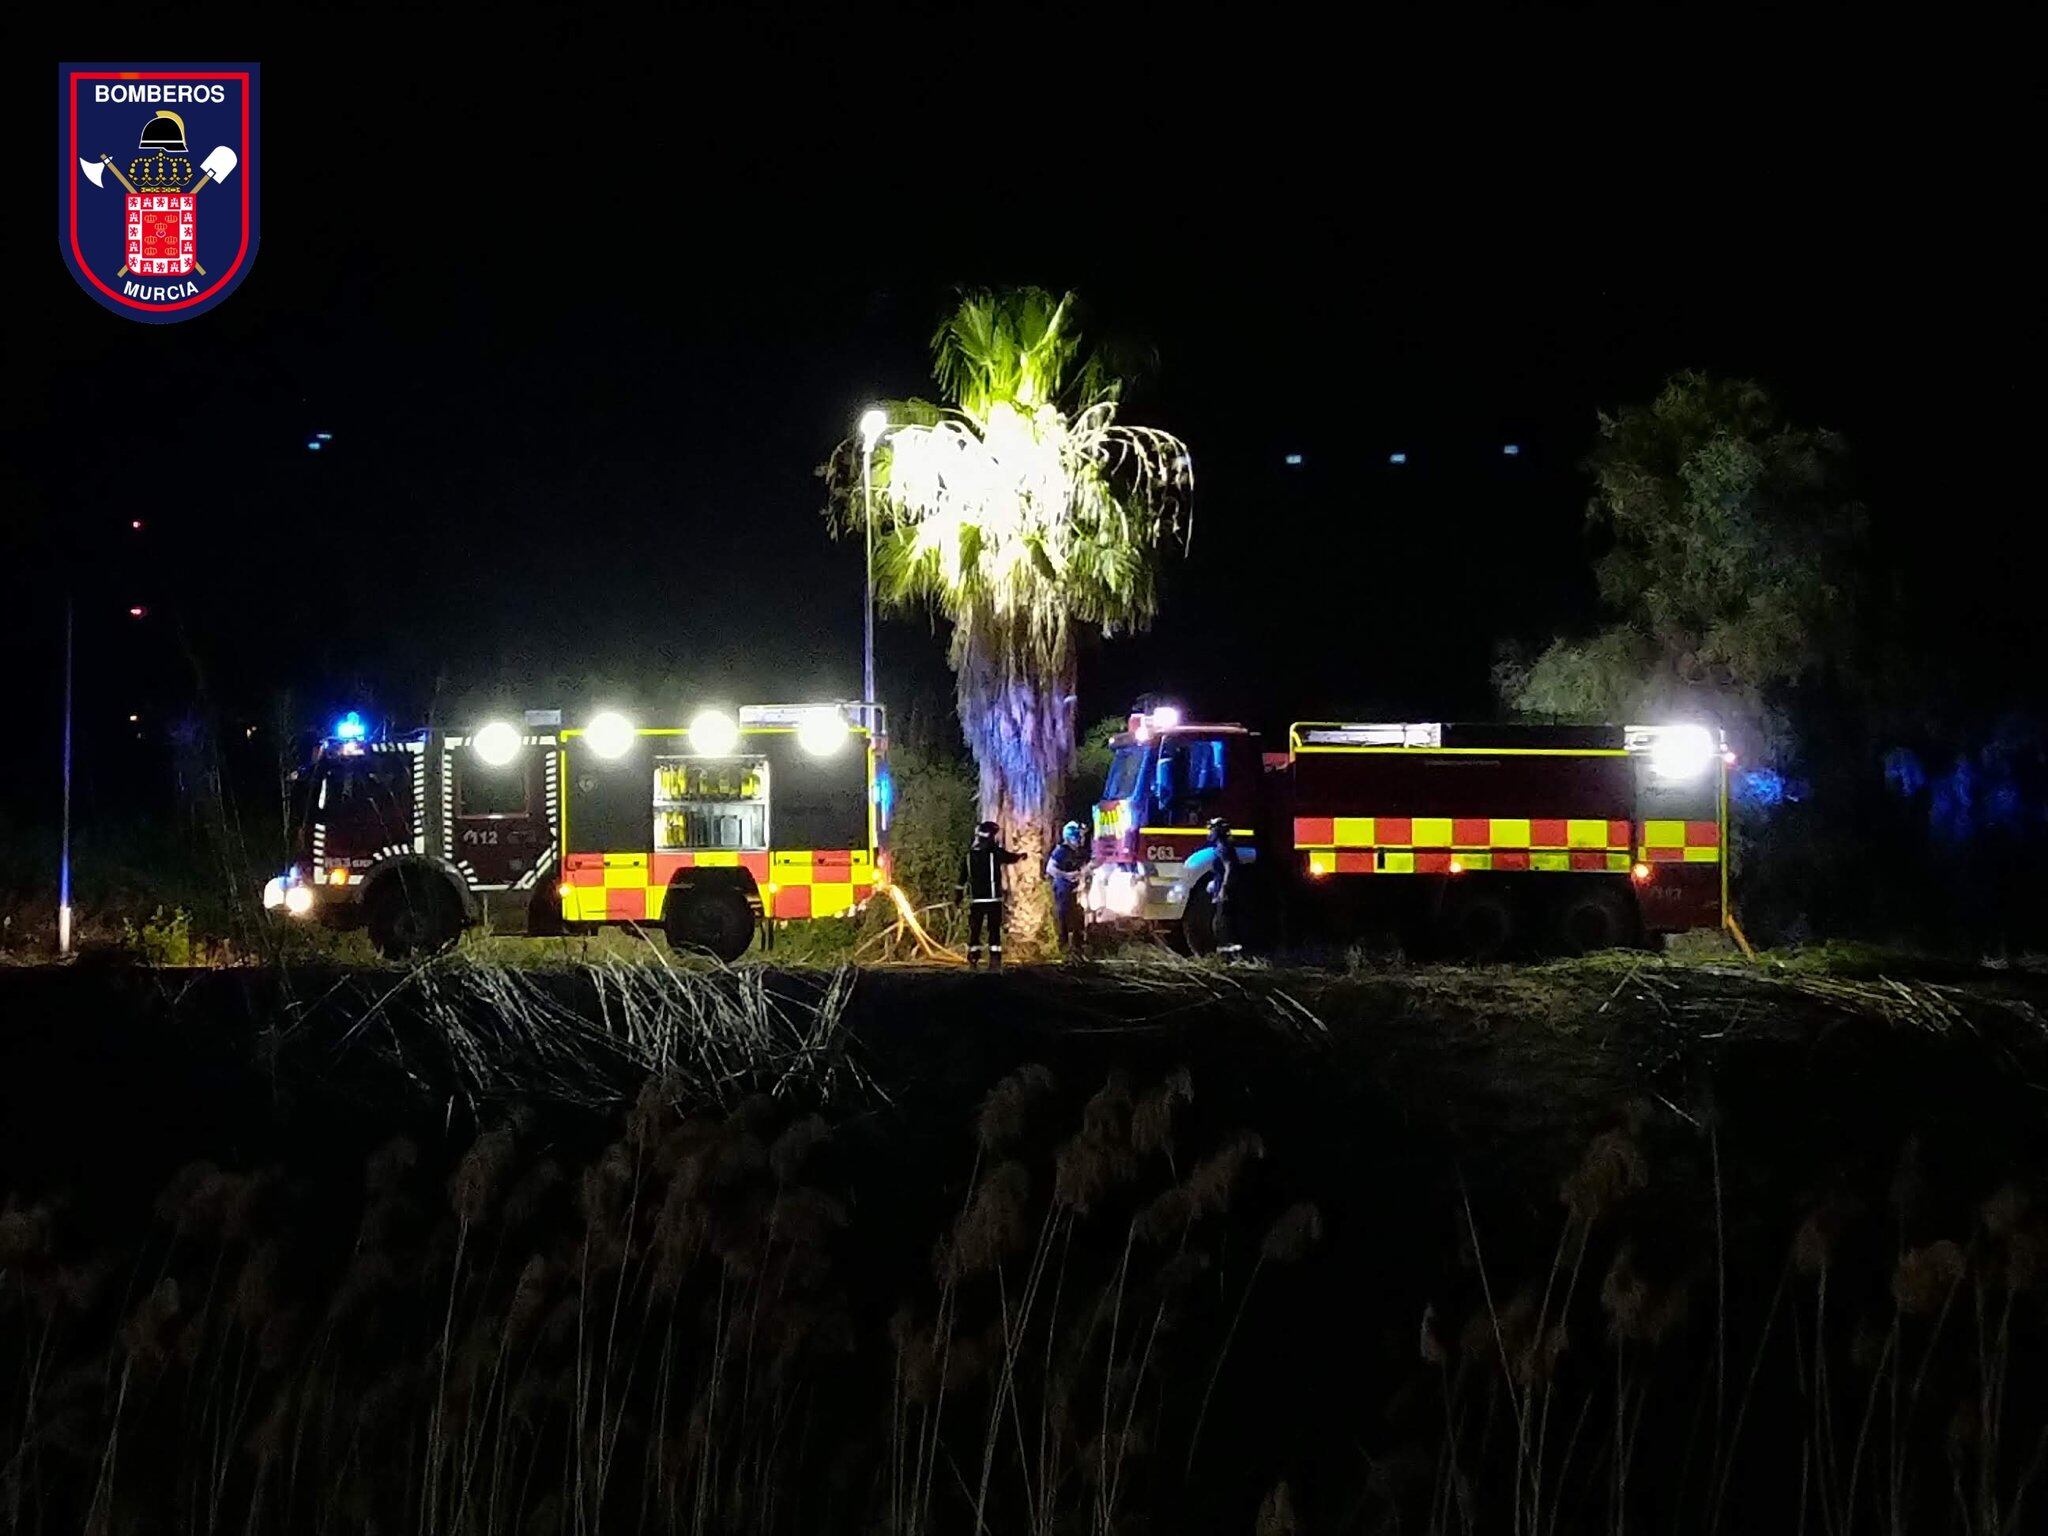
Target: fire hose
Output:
{"points": [[908, 925]]}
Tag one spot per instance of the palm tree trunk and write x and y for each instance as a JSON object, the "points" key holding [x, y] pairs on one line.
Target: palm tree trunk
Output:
{"points": [[1021, 732], [1028, 915]]}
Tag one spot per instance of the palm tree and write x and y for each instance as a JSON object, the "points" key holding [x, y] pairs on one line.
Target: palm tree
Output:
{"points": [[1020, 511]]}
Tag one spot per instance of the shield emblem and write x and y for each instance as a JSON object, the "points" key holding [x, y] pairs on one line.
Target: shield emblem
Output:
{"points": [[163, 237], [142, 149]]}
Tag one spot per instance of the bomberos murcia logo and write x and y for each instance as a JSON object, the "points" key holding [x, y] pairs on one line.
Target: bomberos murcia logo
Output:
{"points": [[158, 192]]}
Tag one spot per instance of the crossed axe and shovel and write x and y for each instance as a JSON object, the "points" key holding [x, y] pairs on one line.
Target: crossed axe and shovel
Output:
{"points": [[217, 166]]}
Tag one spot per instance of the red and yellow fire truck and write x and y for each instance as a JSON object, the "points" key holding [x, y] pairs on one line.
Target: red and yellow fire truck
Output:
{"points": [[1480, 838], [704, 829]]}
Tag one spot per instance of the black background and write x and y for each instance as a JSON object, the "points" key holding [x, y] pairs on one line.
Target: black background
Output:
{"points": [[573, 457]]}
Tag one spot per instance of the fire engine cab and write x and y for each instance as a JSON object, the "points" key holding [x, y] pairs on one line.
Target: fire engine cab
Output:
{"points": [[1479, 839], [704, 829]]}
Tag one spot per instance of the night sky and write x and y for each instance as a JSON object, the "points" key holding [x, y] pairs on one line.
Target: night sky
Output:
{"points": [[583, 304]]}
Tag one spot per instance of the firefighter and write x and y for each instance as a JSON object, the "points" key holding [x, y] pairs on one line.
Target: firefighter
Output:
{"points": [[1066, 867], [1226, 895], [987, 858]]}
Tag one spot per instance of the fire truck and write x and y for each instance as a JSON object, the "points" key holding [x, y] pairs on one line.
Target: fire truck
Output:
{"points": [[705, 830], [1477, 840]]}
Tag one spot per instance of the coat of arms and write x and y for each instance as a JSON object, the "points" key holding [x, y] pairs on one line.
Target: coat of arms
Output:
{"points": [[147, 150]]}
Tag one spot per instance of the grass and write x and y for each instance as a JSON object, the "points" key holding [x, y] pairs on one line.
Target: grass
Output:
{"points": [[1636, 1243]]}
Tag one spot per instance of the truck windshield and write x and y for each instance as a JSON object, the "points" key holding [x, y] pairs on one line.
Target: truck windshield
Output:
{"points": [[365, 781], [1124, 769]]}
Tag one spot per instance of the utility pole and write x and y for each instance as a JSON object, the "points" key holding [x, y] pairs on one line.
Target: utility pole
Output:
{"points": [[64, 844], [872, 424]]}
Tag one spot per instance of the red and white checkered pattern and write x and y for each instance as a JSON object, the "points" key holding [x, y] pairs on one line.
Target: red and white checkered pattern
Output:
{"points": [[163, 237]]}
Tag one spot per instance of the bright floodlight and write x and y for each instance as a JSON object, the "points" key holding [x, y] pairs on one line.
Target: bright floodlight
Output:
{"points": [[609, 733], [714, 733], [822, 731], [497, 743], [872, 424], [1166, 717], [298, 900], [1682, 752]]}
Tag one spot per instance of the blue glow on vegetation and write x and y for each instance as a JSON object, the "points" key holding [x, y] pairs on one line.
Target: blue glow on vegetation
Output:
{"points": [[1763, 787], [1903, 774]]}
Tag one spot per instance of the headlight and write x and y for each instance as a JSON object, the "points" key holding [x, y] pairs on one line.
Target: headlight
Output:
{"points": [[299, 900], [609, 733], [273, 893], [497, 743], [1126, 893]]}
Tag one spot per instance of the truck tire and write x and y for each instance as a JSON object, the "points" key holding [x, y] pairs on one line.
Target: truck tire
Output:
{"points": [[1479, 925], [412, 912], [1595, 917], [715, 920]]}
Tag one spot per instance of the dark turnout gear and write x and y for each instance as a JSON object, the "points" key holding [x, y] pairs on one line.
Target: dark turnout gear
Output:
{"points": [[987, 858], [1066, 866], [1225, 891]]}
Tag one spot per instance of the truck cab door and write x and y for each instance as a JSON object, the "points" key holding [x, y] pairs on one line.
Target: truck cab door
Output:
{"points": [[498, 815]]}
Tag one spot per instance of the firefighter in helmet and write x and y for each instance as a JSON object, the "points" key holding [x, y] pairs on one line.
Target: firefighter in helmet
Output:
{"points": [[162, 166], [1067, 867], [1226, 894], [987, 858]]}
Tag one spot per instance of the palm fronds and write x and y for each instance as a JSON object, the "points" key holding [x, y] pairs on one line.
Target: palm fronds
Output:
{"points": [[1020, 511]]}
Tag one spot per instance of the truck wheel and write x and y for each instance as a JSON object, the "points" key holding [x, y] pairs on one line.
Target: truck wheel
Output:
{"points": [[715, 920], [412, 912], [1479, 925], [1597, 918]]}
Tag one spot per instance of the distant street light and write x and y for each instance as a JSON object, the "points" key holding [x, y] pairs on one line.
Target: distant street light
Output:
{"points": [[873, 423]]}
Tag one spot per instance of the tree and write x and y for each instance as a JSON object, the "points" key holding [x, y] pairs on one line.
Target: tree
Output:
{"points": [[1020, 510], [1730, 568]]}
